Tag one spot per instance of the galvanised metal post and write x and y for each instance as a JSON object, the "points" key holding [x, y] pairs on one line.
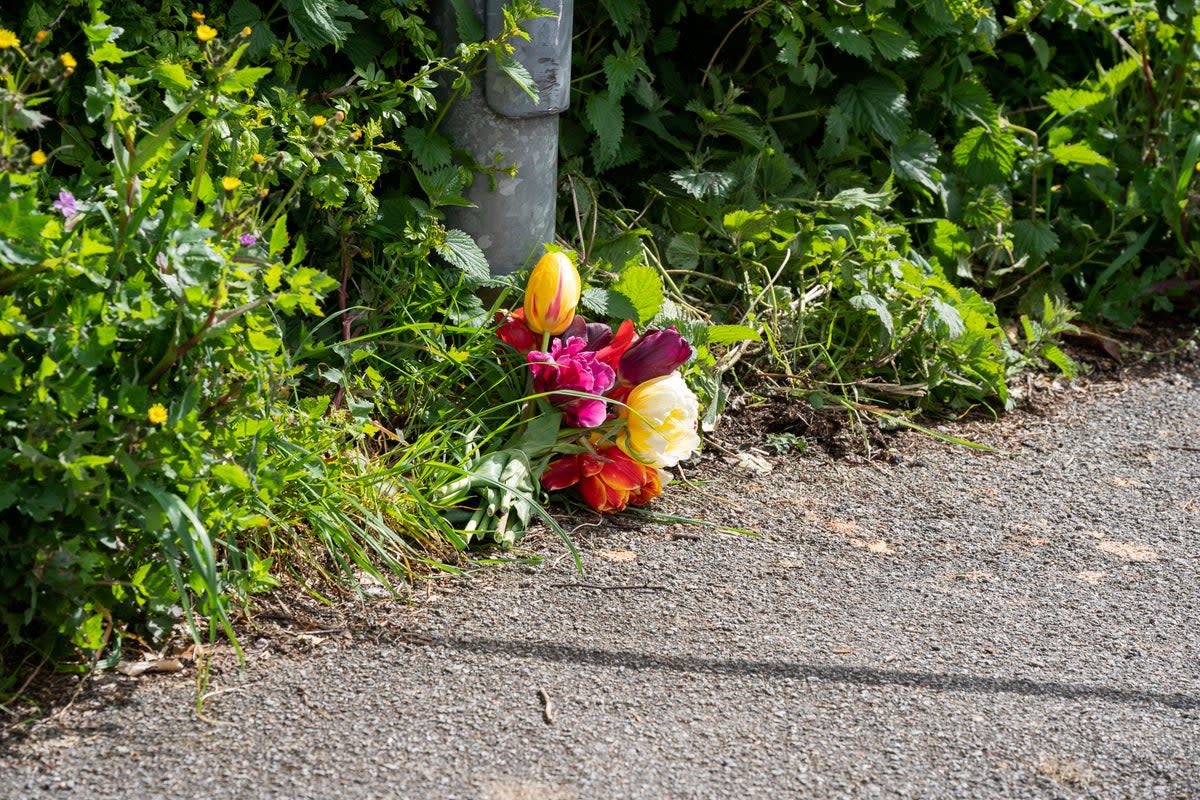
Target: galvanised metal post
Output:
{"points": [[513, 219]]}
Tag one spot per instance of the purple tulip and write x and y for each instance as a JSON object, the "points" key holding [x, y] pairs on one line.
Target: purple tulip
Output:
{"points": [[248, 239], [66, 204], [571, 367], [656, 353]]}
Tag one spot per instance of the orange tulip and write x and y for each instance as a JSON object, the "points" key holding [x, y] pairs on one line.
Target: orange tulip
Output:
{"points": [[552, 294], [609, 480]]}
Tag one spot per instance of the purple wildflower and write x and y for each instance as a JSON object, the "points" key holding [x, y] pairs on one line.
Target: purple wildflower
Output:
{"points": [[65, 204], [248, 239]]}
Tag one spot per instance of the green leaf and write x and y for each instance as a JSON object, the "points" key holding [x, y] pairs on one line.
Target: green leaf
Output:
{"points": [[642, 285], [683, 251], [243, 80], [279, 235], [728, 334], [1078, 154], [1034, 238], [869, 302], [171, 76], [462, 251], [915, 159], [231, 474], [608, 120], [703, 184], [951, 248], [430, 149], [1068, 101], [519, 75], [986, 156], [467, 24], [892, 41], [876, 104], [837, 133], [620, 70], [622, 13], [848, 39], [607, 303], [970, 98], [108, 53], [314, 23]]}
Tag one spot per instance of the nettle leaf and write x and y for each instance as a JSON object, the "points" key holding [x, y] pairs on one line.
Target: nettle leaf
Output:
{"points": [[1068, 101], [951, 248], [1079, 154], [915, 159], [461, 251], [608, 120], [429, 148], [622, 13], [1034, 238], [970, 98], [703, 184], [245, 14], [837, 134], [620, 70], [986, 156], [607, 303], [892, 41], [848, 39], [643, 287], [683, 251], [869, 302], [315, 24], [1115, 78], [728, 334], [467, 24], [876, 104]]}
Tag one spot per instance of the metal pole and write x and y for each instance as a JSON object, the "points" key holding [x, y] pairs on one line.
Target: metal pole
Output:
{"points": [[513, 218]]}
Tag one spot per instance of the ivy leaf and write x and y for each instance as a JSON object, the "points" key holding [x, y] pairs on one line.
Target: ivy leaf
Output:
{"points": [[876, 104], [848, 39], [429, 148], [461, 251], [608, 120], [643, 287], [1034, 238], [915, 159], [1079, 154], [986, 156]]}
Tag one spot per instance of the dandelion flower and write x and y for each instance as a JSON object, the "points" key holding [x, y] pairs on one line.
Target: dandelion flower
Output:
{"points": [[318, 121], [230, 183], [8, 39], [196, 15], [157, 414], [37, 157], [204, 33], [246, 31], [68, 61], [258, 158], [41, 36]]}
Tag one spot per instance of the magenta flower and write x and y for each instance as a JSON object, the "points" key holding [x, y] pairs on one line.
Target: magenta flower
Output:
{"points": [[571, 367], [248, 239], [654, 355], [66, 204]]}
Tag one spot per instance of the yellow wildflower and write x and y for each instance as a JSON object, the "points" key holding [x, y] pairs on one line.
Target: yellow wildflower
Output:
{"points": [[204, 33], [196, 15], [8, 39], [230, 183], [37, 157], [258, 158], [246, 31], [68, 61], [157, 414], [318, 121], [41, 36]]}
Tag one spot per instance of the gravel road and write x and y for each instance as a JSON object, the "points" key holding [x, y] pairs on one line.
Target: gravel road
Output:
{"points": [[1021, 623]]}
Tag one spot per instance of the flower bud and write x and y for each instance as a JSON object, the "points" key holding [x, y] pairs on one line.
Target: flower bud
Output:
{"points": [[656, 353], [552, 294]]}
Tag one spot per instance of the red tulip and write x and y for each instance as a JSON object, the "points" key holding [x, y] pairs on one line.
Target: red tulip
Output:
{"points": [[514, 332], [609, 479]]}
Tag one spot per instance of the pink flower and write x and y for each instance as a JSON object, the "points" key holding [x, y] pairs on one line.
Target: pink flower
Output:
{"points": [[572, 367], [248, 239], [66, 204]]}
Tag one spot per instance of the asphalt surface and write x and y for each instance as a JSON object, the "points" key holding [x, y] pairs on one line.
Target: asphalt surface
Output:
{"points": [[1020, 623]]}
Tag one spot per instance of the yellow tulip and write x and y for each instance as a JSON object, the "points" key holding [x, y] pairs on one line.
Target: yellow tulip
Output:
{"points": [[660, 421], [552, 294]]}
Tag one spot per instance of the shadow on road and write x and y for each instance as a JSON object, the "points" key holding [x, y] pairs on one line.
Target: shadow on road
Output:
{"points": [[862, 676]]}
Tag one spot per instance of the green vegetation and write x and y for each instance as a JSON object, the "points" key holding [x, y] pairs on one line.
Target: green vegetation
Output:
{"points": [[238, 342]]}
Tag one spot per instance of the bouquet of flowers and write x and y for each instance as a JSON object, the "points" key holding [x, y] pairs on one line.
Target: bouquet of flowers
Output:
{"points": [[607, 410]]}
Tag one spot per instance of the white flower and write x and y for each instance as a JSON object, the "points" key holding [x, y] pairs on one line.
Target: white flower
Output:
{"points": [[660, 421]]}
